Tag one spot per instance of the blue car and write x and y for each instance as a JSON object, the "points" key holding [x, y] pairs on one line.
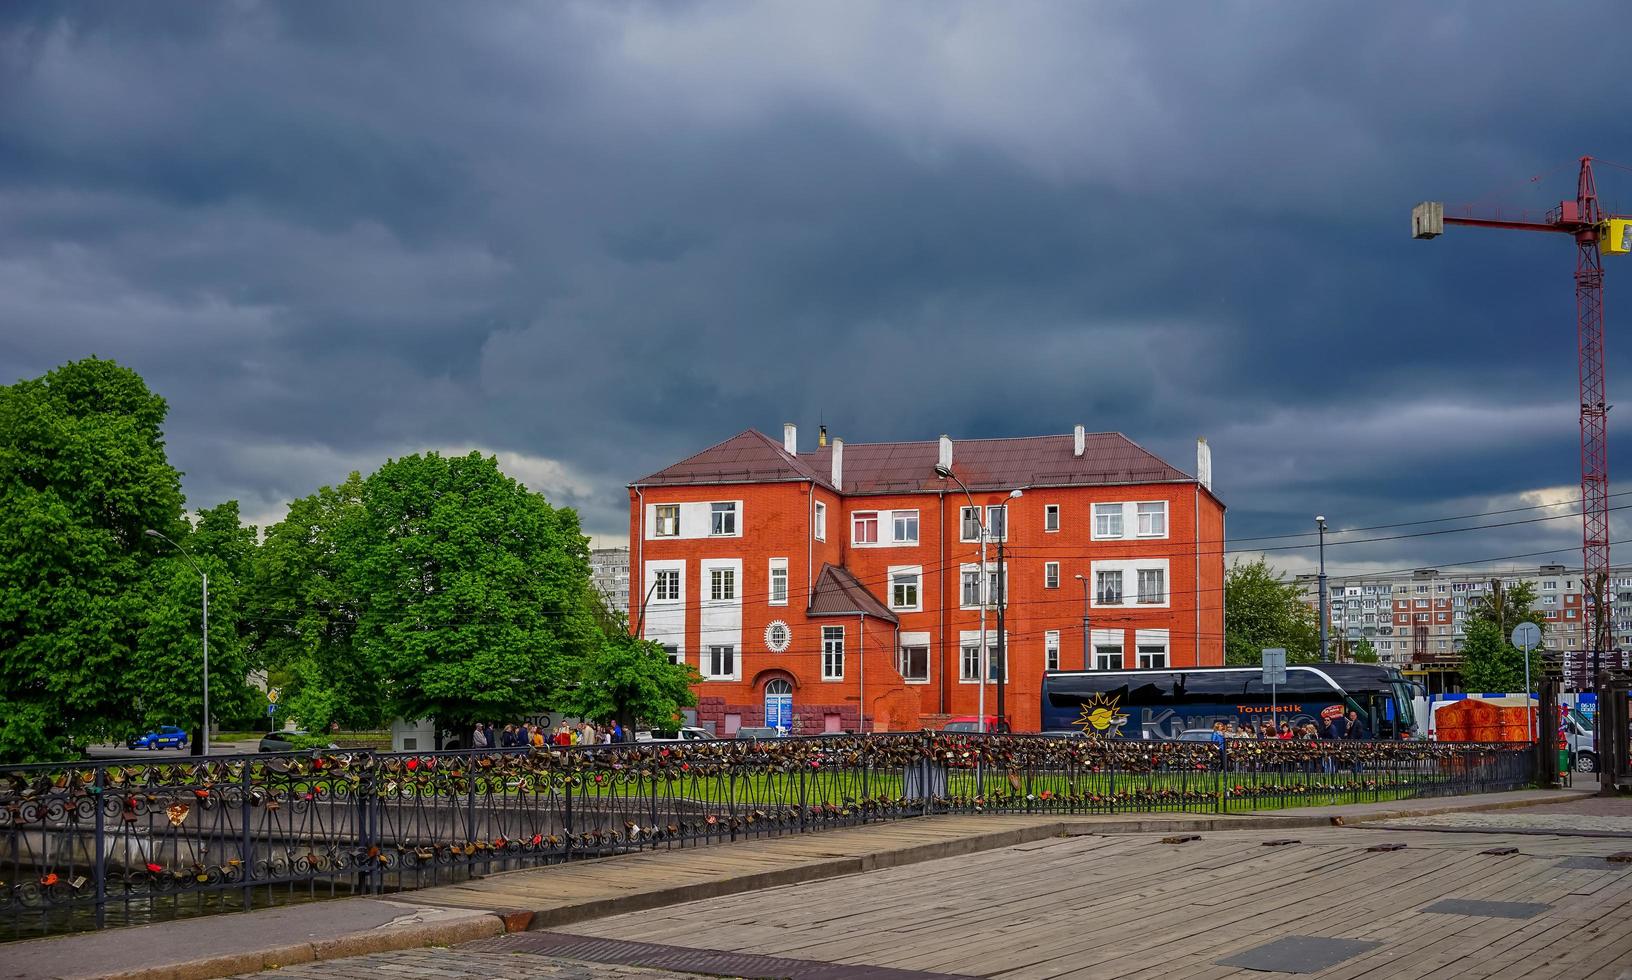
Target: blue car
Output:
{"points": [[167, 737]]}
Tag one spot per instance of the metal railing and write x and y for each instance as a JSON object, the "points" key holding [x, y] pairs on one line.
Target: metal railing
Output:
{"points": [[92, 844]]}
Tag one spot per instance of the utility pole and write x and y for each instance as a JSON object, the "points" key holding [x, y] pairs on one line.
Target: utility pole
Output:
{"points": [[1002, 642], [1320, 523], [1087, 650]]}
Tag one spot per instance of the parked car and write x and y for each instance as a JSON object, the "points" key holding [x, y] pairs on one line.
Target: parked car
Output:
{"points": [[279, 741], [167, 737], [685, 734], [759, 733], [1065, 733], [1196, 735], [1579, 735], [970, 723]]}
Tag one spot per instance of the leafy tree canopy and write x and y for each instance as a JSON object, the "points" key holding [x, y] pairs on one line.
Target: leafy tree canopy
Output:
{"points": [[1364, 653], [630, 680], [1262, 611], [1489, 661]]}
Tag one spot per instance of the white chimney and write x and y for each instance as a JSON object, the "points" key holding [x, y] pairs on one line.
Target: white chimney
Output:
{"points": [[838, 464], [1079, 441], [790, 438], [945, 461], [1204, 463]]}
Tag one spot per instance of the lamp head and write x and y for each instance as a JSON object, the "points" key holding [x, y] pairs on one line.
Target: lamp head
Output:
{"points": [[942, 471], [152, 533], [1016, 494], [1319, 519], [1081, 578]]}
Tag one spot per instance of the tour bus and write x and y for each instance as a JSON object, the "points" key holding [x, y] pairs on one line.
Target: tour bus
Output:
{"points": [[1166, 703]]}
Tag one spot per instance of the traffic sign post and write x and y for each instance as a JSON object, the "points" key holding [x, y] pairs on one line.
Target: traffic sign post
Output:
{"points": [[1274, 676], [1527, 636]]}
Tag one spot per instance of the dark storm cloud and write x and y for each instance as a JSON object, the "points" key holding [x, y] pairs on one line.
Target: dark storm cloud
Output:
{"points": [[598, 237]]}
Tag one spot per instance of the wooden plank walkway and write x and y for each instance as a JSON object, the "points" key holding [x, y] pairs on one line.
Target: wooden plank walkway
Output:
{"points": [[1134, 907]]}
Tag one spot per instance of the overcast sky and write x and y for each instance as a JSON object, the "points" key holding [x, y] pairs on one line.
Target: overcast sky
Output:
{"points": [[596, 238]]}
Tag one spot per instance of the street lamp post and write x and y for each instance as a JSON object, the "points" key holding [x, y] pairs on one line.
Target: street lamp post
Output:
{"points": [[1087, 655], [1002, 631], [1320, 523], [203, 741], [945, 472]]}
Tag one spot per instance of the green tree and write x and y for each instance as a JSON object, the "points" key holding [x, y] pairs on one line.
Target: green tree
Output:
{"points": [[631, 680], [1505, 608], [1489, 661], [1261, 611], [1364, 653], [305, 606], [83, 472]]}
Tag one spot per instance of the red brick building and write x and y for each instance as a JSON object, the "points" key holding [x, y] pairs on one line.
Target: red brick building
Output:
{"points": [[842, 588]]}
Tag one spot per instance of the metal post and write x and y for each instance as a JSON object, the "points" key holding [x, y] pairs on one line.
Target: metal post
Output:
{"points": [[1320, 524], [1002, 648], [1087, 653], [101, 870], [206, 734]]}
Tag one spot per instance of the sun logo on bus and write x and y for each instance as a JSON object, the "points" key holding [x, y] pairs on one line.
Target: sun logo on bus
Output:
{"points": [[1099, 716]]}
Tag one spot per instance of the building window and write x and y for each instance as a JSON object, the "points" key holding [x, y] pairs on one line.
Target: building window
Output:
{"points": [[904, 588], [667, 587], [673, 650], [1107, 520], [1107, 656], [1108, 588], [779, 582], [1051, 517], [821, 522], [969, 663], [1153, 519], [997, 522], [906, 527], [969, 524], [724, 518], [864, 527], [832, 653], [997, 591], [668, 520], [778, 636], [1152, 586], [913, 663], [1152, 656], [971, 588], [1051, 574], [722, 583], [722, 661], [1051, 650], [1422, 603]]}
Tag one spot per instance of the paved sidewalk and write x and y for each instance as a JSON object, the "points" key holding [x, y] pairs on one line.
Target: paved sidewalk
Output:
{"points": [[549, 897]]}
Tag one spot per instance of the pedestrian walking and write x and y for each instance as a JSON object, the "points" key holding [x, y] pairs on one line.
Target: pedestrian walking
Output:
{"points": [[478, 738], [617, 730]]}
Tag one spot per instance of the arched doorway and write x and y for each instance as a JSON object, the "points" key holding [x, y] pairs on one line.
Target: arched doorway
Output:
{"points": [[779, 704]]}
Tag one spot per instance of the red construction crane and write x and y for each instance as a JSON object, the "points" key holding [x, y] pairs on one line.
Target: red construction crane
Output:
{"points": [[1596, 234]]}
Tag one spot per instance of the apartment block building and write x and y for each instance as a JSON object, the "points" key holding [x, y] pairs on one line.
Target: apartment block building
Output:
{"points": [[842, 588], [1416, 620], [609, 574]]}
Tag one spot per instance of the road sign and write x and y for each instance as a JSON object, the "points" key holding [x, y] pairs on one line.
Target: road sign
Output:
{"points": [[1274, 666], [271, 709], [1527, 636], [272, 695]]}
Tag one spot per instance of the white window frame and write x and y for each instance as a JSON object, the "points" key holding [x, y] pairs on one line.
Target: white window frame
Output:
{"points": [[965, 651], [1051, 574], [722, 519], [1099, 594], [963, 586], [1149, 644], [913, 641], [1161, 596], [1109, 511], [673, 650], [821, 521], [1051, 650], [898, 516], [1140, 515], [1051, 518], [856, 519], [660, 519], [832, 653], [778, 565], [711, 658], [916, 573], [964, 516], [1104, 642], [722, 585], [661, 578], [1001, 514]]}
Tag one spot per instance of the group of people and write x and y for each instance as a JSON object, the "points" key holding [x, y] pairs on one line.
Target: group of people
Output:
{"points": [[1342, 726], [529, 735]]}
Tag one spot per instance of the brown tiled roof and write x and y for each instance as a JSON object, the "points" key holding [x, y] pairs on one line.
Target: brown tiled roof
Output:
{"points": [[838, 593], [904, 467], [747, 457]]}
